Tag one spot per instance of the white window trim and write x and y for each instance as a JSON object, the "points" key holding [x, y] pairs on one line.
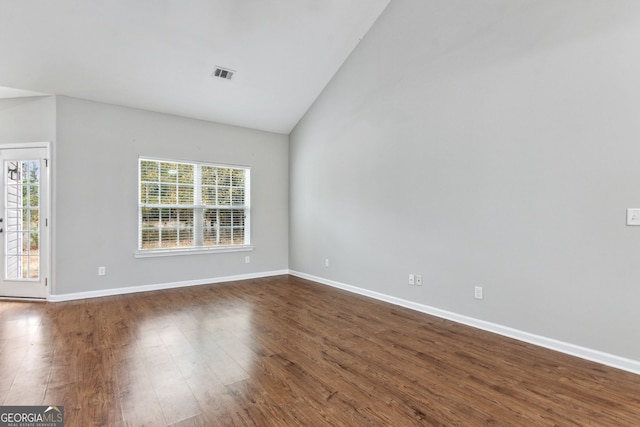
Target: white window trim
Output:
{"points": [[149, 253]]}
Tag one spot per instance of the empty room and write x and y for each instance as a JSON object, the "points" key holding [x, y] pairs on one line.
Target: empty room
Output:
{"points": [[320, 212]]}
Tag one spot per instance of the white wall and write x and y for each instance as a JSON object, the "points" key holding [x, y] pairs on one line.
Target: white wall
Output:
{"points": [[97, 151], [492, 143]]}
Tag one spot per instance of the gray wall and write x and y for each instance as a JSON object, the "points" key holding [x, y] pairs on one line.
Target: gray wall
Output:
{"points": [[492, 143], [25, 120], [94, 189], [31, 119], [97, 151]]}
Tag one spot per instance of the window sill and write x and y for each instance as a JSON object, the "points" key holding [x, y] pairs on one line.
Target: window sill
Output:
{"points": [[191, 251]]}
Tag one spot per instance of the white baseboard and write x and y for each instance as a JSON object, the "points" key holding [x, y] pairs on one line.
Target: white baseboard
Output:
{"points": [[156, 287], [614, 361]]}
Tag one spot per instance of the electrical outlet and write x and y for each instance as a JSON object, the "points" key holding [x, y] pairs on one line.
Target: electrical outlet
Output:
{"points": [[102, 271], [633, 216], [418, 280], [247, 259], [326, 262], [412, 279], [477, 292]]}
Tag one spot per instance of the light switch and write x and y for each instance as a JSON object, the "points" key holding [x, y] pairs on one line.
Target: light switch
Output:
{"points": [[633, 216]]}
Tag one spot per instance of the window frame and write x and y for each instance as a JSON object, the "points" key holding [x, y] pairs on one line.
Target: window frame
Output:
{"points": [[196, 205]]}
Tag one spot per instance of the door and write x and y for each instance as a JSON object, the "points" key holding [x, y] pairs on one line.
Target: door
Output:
{"points": [[23, 223]]}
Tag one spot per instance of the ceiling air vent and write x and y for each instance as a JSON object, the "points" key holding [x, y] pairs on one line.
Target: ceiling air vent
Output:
{"points": [[223, 73]]}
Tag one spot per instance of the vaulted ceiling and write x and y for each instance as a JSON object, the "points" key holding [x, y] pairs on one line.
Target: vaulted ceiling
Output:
{"points": [[160, 55]]}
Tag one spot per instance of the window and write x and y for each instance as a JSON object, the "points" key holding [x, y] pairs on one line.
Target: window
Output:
{"points": [[188, 206], [22, 203]]}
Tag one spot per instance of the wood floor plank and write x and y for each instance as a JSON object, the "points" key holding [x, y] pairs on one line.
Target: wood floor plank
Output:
{"points": [[27, 389], [283, 351], [139, 403]]}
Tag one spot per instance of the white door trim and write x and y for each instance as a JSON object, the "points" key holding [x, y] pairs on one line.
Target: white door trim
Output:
{"points": [[46, 262]]}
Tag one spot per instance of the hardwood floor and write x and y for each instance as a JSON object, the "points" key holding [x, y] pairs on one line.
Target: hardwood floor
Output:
{"points": [[284, 351]]}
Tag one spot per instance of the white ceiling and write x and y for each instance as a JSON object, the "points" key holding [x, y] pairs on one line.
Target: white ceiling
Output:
{"points": [[159, 55]]}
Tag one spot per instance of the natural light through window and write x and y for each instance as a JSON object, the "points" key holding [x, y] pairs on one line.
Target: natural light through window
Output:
{"points": [[191, 206]]}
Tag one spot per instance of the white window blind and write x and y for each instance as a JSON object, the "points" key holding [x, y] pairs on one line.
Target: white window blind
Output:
{"points": [[189, 206]]}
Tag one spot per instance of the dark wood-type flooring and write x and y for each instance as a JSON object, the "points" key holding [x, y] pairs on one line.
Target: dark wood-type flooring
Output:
{"points": [[283, 351]]}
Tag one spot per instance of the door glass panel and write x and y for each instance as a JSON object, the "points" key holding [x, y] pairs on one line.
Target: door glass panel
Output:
{"points": [[22, 219]]}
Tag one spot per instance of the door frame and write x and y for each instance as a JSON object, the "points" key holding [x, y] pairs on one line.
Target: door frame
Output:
{"points": [[46, 261]]}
